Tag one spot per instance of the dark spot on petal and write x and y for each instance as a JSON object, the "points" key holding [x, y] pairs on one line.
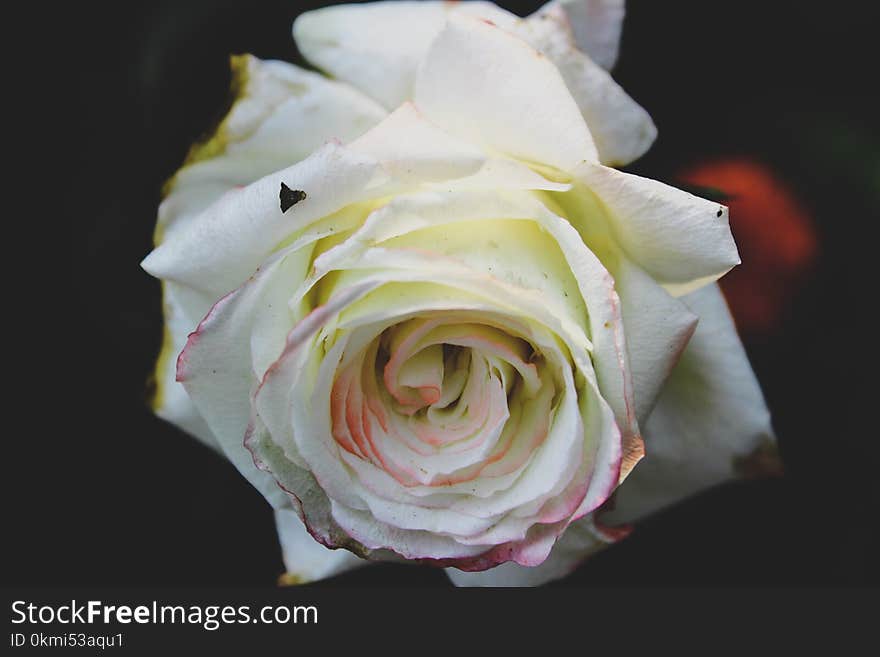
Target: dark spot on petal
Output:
{"points": [[720, 212], [290, 197]]}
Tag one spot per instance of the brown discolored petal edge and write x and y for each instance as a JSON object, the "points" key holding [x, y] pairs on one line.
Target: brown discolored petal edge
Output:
{"points": [[633, 451], [289, 579], [214, 140], [761, 463]]}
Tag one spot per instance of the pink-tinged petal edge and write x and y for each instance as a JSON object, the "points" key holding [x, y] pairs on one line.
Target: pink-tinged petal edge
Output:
{"points": [[182, 373]]}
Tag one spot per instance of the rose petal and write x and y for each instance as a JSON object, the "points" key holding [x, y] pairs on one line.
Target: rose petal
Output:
{"points": [[413, 150], [657, 327], [681, 240], [274, 122], [597, 25], [305, 559], [621, 129], [484, 84], [215, 368], [377, 46], [219, 249], [170, 401], [710, 413]]}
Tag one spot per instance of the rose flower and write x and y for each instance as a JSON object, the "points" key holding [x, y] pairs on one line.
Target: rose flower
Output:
{"points": [[416, 307]]}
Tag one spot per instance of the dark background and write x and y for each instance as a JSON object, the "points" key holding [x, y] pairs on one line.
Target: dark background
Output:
{"points": [[106, 494]]}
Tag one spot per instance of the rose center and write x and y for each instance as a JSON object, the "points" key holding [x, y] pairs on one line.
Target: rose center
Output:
{"points": [[432, 400]]}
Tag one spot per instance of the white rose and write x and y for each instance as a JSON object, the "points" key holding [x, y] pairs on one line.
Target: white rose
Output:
{"points": [[424, 315]]}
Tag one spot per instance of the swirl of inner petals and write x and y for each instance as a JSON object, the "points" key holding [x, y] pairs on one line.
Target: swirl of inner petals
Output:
{"points": [[441, 401]]}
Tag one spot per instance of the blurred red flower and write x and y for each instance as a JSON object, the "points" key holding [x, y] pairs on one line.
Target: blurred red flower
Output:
{"points": [[775, 235]]}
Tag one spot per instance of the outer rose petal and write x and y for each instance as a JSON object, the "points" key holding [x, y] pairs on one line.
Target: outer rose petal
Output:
{"points": [[596, 24], [622, 129], [681, 240], [217, 251], [170, 401], [491, 87], [216, 370], [657, 327], [378, 47], [305, 559], [710, 414], [280, 114]]}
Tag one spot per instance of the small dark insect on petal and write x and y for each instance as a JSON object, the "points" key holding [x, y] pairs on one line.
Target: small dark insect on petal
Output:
{"points": [[720, 212], [290, 197]]}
